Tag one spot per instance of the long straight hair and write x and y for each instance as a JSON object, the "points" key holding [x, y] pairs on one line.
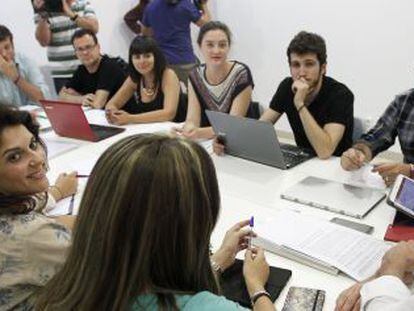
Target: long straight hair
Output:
{"points": [[144, 227]]}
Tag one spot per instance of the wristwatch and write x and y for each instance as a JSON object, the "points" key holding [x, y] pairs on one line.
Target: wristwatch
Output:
{"points": [[259, 294], [411, 171]]}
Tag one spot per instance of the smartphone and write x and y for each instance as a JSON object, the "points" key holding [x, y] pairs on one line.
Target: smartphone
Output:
{"points": [[353, 225], [401, 195], [304, 299]]}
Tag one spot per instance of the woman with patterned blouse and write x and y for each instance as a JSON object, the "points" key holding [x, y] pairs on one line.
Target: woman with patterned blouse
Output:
{"points": [[219, 84], [32, 246]]}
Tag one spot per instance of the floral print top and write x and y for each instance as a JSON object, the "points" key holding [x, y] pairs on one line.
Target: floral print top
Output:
{"points": [[32, 249]]}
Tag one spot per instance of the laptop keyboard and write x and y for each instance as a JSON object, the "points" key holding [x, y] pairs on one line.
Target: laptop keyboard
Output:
{"points": [[294, 155]]}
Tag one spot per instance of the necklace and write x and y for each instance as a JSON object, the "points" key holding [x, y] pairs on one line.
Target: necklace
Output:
{"points": [[148, 90]]}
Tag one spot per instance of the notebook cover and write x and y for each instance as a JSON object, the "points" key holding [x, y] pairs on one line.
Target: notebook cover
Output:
{"points": [[401, 230], [397, 233], [234, 288]]}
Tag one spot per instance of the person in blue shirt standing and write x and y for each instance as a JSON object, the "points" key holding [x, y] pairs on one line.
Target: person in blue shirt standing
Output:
{"points": [[21, 81], [169, 22]]}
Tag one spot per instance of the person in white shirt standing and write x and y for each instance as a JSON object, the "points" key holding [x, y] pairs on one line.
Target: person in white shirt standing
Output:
{"points": [[388, 288]]}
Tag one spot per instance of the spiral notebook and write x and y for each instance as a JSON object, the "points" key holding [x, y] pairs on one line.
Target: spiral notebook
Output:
{"points": [[334, 196]]}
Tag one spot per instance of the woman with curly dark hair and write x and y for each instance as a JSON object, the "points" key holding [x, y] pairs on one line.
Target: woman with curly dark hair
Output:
{"points": [[32, 245]]}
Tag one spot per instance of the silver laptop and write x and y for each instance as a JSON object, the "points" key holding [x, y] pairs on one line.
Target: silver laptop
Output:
{"points": [[255, 140]]}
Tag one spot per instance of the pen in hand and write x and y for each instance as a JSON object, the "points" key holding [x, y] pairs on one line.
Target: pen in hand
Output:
{"points": [[71, 205], [251, 225], [81, 176]]}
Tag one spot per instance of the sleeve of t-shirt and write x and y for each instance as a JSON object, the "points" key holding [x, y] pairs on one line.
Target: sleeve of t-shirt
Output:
{"points": [[245, 80], [89, 11], [191, 11], [278, 102], [342, 107], [110, 76], [146, 19], [75, 82], [204, 301]]}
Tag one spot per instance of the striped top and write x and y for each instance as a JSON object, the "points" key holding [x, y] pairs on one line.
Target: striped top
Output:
{"points": [[219, 97], [60, 52]]}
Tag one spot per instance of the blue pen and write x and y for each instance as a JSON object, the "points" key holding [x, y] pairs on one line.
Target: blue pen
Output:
{"points": [[251, 225], [71, 204]]}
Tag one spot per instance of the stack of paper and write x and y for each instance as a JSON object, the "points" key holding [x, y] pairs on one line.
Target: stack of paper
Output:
{"points": [[326, 244]]}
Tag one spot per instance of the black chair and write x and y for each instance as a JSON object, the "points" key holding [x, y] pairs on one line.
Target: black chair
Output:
{"points": [[254, 111]]}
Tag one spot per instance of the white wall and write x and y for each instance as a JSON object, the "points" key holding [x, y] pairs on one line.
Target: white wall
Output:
{"points": [[114, 36], [370, 43]]}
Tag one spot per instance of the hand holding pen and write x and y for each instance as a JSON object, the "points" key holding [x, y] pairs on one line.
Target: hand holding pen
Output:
{"points": [[353, 159], [65, 185], [235, 240], [72, 200]]}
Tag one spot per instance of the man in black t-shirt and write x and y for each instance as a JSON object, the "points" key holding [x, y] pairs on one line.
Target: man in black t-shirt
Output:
{"points": [[98, 78], [319, 108]]}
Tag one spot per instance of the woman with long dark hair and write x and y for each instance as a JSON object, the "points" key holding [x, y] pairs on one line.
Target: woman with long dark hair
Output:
{"points": [[142, 238], [32, 246], [155, 87]]}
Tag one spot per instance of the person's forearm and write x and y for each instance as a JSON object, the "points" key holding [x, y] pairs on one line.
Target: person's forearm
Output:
{"points": [[66, 220], [43, 33], [87, 23], [264, 304], [32, 91], [72, 98], [365, 149], [205, 133], [206, 12], [131, 20], [319, 139]]}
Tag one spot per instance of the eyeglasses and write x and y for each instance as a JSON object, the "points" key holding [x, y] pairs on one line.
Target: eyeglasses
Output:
{"points": [[86, 48]]}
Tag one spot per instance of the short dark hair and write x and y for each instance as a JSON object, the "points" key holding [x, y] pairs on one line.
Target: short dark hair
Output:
{"points": [[213, 25], [83, 32], [307, 42], [146, 44], [5, 33], [9, 117]]}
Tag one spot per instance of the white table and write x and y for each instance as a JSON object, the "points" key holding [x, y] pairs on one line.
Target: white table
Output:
{"points": [[249, 188]]}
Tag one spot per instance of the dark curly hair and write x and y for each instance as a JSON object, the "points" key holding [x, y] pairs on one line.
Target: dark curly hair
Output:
{"points": [[10, 116]]}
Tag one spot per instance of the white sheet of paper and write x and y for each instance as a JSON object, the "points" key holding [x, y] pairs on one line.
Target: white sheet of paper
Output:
{"points": [[356, 254], [96, 116], [366, 177], [57, 147]]}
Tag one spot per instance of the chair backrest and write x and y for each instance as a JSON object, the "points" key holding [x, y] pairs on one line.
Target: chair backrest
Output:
{"points": [[46, 71], [254, 111], [360, 127]]}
